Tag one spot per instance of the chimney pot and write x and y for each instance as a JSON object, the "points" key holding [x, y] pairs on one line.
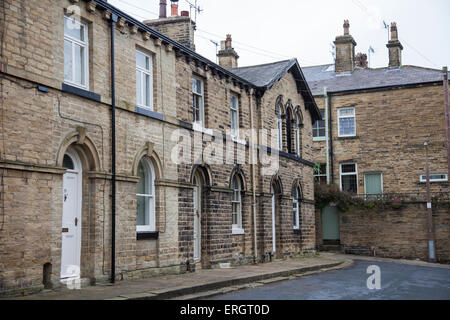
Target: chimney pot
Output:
{"points": [[174, 8], [162, 9], [346, 28], [228, 42], [185, 13], [394, 31]]}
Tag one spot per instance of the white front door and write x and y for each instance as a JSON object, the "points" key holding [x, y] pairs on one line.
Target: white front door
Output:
{"points": [[197, 220], [274, 243], [71, 220]]}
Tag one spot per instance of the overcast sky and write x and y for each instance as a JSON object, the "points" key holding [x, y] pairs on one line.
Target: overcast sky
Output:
{"points": [[271, 30]]}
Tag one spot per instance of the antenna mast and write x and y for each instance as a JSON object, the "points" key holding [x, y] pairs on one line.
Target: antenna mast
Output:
{"points": [[196, 8]]}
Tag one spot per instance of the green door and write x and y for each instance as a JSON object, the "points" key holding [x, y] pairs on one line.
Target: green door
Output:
{"points": [[330, 224], [373, 184]]}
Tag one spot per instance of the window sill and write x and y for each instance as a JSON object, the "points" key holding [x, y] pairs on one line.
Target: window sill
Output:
{"points": [[80, 92], [237, 140], [199, 128], [238, 231], [149, 113], [348, 138], [319, 139], [147, 235]]}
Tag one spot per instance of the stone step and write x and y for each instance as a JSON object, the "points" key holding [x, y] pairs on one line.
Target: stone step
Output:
{"points": [[330, 248]]}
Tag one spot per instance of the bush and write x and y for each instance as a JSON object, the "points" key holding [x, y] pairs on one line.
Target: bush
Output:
{"points": [[331, 195]]}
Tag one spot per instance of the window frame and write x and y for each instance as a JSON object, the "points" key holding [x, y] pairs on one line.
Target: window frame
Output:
{"points": [[200, 122], [236, 228], [235, 111], [369, 195], [346, 117], [355, 173], [149, 181], [423, 177], [317, 128], [320, 175], [85, 45], [279, 128], [297, 133], [296, 209], [144, 72]]}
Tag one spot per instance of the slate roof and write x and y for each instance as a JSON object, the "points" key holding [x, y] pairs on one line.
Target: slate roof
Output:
{"points": [[319, 77], [264, 77]]}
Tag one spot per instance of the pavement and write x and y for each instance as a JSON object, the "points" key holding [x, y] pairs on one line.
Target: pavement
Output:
{"points": [[202, 283]]}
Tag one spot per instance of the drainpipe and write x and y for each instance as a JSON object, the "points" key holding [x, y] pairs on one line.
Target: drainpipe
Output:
{"points": [[113, 154], [252, 164], [329, 102], [327, 135]]}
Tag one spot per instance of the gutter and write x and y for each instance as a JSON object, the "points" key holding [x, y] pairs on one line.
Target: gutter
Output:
{"points": [[331, 153], [113, 154], [252, 164]]}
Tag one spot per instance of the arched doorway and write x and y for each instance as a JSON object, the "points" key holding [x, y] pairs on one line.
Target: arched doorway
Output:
{"points": [[71, 216], [276, 192], [199, 184]]}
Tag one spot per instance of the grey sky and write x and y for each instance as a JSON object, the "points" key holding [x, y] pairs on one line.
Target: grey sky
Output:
{"points": [[266, 31]]}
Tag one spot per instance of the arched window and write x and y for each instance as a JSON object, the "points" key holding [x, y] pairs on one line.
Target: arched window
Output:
{"points": [[289, 130], [280, 128], [298, 122], [296, 195], [145, 194], [237, 203]]}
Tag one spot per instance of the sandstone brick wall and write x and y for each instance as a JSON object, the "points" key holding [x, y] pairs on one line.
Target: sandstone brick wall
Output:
{"points": [[398, 233]]}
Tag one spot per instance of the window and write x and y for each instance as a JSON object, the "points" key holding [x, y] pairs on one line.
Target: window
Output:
{"points": [[319, 128], [198, 101], [289, 130], [349, 177], [279, 128], [237, 204], [320, 173], [297, 134], [144, 80], [296, 208], [373, 184], [75, 53], [434, 178], [146, 197], [234, 111], [347, 122]]}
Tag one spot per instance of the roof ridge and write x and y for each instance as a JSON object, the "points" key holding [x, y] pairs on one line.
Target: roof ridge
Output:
{"points": [[264, 64]]}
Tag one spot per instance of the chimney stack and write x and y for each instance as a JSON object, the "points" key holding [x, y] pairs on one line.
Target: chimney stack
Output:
{"points": [[395, 48], [174, 8], [162, 9], [345, 51], [179, 28], [227, 56]]}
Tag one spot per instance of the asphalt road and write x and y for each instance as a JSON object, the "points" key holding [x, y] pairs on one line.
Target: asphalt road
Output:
{"points": [[398, 281]]}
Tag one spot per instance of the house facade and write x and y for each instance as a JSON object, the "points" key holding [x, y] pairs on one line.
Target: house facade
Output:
{"points": [[371, 140], [380, 127], [126, 154]]}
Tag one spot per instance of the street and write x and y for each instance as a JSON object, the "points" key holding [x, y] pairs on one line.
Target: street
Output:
{"points": [[398, 282]]}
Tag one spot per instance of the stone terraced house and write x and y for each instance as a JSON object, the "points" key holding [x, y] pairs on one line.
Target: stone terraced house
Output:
{"points": [[103, 122], [375, 122], [371, 143]]}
